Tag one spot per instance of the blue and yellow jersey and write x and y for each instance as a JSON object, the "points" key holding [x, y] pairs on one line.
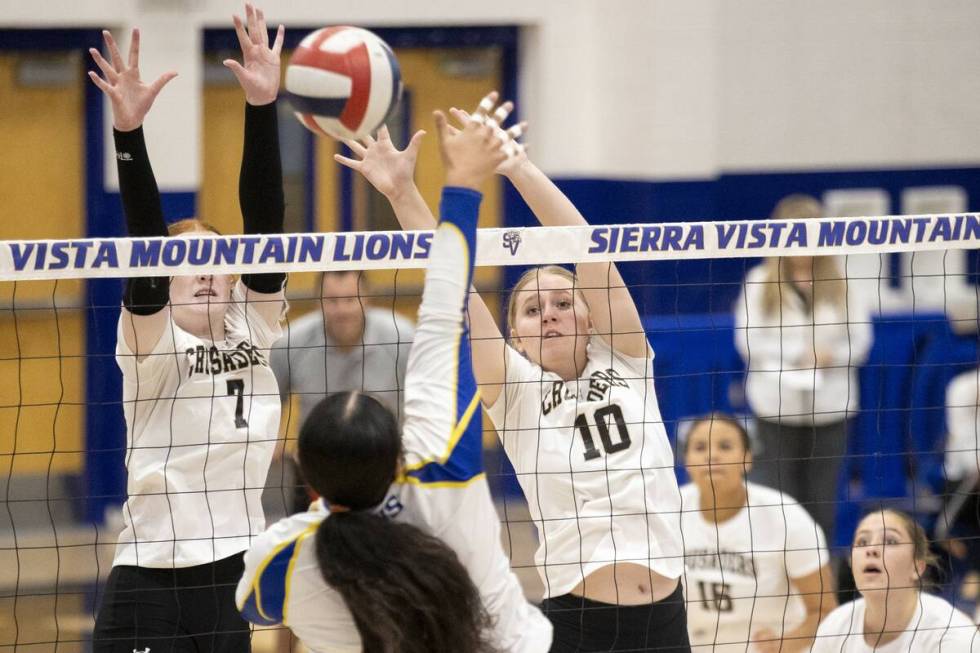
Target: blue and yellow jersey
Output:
{"points": [[441, 489]]}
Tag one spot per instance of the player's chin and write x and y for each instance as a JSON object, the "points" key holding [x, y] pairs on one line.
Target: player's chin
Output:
{"points": [[200, 307], [557, 349]]}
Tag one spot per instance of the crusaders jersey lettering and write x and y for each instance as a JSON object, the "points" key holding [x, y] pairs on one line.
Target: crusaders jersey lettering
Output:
{"points": [[211, 360]]}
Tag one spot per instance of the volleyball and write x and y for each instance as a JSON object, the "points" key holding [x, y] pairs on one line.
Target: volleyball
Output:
{"points": [[343, 82]]}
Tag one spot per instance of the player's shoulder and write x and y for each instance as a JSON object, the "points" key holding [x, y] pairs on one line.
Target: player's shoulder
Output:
{"points": [[602, 356], [762, 496], [778, 509], [278, 536], [755, 274], [262, 591], [690, 495], [841, 618], [940, 613], [963, 387]]}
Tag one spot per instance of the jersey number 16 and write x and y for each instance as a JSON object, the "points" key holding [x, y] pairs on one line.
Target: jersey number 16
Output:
{"points": [[600, 417]]}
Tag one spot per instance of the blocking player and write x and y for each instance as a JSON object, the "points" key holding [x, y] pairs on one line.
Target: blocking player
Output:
{"points": [[200, 401], [571, 395]]}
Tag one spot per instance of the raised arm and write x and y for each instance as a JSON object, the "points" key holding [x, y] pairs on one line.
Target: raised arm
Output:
{"points": [[614, 314], [392, 172], [260, 192], [442, 431], [145, 299]]}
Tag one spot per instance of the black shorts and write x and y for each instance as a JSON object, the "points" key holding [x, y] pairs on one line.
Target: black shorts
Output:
{"points": [[172, 610], [584, 625]]}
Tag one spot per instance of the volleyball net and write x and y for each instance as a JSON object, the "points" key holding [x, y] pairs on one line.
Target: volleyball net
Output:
{"points": [[63, 441]]}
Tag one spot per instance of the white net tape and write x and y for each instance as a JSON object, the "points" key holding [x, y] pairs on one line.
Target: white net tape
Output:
{"points": [[132, 257]]}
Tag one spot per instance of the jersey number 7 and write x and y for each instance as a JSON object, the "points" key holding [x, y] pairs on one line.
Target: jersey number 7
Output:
{"points": [[600, 417], [237, 387]]}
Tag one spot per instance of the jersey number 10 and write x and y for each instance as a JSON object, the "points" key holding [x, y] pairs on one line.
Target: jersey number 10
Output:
{"points": [[600, 417]]}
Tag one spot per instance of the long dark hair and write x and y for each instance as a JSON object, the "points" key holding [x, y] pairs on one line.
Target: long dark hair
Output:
{"points": [[407, 590]]}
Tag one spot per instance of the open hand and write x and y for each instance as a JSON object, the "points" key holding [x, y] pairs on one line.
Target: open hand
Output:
{"points": [[259, 76], [516, 151], [131, 99], [470, 154], [390, 170]]}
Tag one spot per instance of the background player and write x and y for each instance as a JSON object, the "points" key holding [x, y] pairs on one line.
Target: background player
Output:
{"points": [[406, 535], [201, 403], [889, 557], [573, 401], [756, 563]]}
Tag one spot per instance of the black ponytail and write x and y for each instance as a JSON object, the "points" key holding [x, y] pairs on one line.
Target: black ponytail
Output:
{"points": [[407, 590]]}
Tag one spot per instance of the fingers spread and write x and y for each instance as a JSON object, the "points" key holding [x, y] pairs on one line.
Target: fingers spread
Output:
{"points": [[101, 83], [250, 19], [114, 53], [260, 27], [134, 50], [235, 67], [442, 125], [500, 115], [162, 81], [104, 66], [353, 164], [355, 147], [243, 41], [516, 131], [280, 36], [486, 104], [416, 142], [462, 116]]}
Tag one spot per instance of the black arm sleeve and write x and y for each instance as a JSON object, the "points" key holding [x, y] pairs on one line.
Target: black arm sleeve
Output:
{"points": [[144, 217], [260, 186]]}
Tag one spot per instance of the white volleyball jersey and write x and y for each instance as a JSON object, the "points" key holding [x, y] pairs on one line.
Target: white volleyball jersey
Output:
{"points": [[443, 489], [935, 627], [593, 459], [738, 574], [202, 420]]}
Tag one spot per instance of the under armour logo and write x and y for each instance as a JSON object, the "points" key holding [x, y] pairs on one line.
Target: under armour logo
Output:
{"points": [[126, 156], [512, 240]]}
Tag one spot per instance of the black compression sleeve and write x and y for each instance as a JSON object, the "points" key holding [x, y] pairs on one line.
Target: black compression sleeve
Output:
{"points": [[260, 186], [144, 217]]}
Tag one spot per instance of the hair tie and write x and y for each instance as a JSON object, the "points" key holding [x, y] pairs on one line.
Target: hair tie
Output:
{"points": [[336, 507]]}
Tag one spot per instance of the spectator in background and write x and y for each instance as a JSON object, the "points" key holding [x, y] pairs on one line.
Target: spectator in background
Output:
{"points": [[347, 345], [958, 525], [802, 336]]}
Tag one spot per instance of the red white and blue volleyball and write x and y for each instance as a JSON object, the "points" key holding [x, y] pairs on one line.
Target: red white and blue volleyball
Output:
{"points": [[343, 82]]}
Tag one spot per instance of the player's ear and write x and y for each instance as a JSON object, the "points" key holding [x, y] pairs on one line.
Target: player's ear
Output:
{"points": [[515, 341], [747, 462]]}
